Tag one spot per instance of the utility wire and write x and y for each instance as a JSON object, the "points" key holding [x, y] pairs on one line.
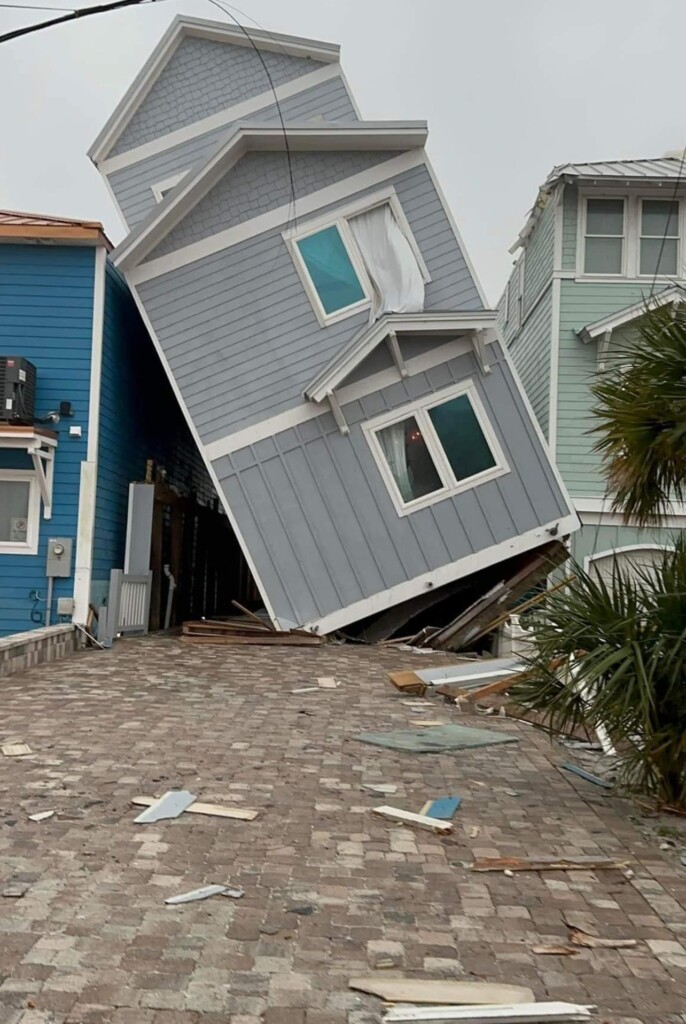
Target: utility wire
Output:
{"points": [[85, 12]]}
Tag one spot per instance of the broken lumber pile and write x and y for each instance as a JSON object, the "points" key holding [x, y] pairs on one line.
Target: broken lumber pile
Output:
{"points": [[238, 630]]}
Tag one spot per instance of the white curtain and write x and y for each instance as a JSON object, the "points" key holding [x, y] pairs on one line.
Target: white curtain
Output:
{"points": [[392, 440], [390, 262]]}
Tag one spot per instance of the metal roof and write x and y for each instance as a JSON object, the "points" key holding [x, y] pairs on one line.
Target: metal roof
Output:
{"points": [[666, 167]]}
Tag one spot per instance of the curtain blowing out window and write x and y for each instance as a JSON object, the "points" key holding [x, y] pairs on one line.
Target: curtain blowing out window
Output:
{"points": [[390, 262]]}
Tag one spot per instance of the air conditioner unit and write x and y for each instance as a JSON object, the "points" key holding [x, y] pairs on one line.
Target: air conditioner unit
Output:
{"points": [[17, 390]]}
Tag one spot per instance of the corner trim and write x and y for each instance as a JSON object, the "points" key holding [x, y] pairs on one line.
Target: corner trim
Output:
{"points": [[83, 563]]}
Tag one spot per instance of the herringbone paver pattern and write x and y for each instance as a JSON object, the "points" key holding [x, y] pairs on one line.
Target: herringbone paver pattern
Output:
{"points": [[331, 891]]}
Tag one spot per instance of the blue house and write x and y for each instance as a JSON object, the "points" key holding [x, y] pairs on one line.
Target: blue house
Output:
{"points": [[104, 416]]}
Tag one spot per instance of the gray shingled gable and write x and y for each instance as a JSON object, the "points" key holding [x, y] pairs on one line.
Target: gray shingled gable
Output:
{"points": [[202, 77]]}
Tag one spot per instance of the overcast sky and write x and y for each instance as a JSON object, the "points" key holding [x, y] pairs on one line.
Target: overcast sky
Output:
{"points": [[509, 88]]}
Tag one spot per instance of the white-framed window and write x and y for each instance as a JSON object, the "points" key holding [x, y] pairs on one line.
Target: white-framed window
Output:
{"points": [[659, 237], [635, 237], [435, 447], [604, 235], [332, 267], [160, 188], [19, 512]]}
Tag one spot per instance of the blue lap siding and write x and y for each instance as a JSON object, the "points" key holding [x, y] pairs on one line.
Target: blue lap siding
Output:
{"points": [[46, 314]]}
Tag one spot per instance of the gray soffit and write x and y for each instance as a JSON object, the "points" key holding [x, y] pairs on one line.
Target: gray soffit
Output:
{"points": [[182, 26], [428, 323], [325, 136]]}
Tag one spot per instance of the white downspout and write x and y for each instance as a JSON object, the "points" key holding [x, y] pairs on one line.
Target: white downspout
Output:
{"points": [[89, 469]]}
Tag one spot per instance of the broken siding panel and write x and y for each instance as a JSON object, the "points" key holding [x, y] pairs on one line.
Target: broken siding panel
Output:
{"points": [[261, 182], [202, 77], [132, 186], [335, 519], [237, 327]]}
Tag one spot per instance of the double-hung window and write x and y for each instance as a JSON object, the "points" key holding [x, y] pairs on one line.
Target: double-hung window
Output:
{"points": [[659, 237], [604, 236], [435, 447], [19, 512]]}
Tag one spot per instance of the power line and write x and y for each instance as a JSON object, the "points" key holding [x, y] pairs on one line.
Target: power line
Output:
{"points": [[85, 12]]}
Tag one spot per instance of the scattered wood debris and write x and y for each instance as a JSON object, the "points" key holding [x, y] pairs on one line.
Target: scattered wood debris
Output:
{"points": [[583, 774], [234, 894], [306, 689], [214, 810], [544, 864], [522, 1013], [386, 788], [41, 816], [554, 951], [14, 890], [235, 631], [581, 938], [418, 703], [170, 805], [327, 683], [420, 990], [197, 894], [409, 818], [15, 749], [408, 682]]}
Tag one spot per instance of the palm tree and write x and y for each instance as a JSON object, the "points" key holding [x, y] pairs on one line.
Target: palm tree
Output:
{"points": [[641, 411]]}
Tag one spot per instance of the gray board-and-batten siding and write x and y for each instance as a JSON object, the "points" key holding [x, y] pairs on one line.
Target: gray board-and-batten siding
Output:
{"points": [[319, 522], [239, 332], [132, 185]]}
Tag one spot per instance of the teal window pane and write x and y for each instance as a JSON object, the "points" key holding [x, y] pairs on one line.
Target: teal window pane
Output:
{"points": [[330, 269], [462, 438]]}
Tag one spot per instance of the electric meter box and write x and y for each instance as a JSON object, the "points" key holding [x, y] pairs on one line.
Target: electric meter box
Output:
{"points": [[59, 557]]}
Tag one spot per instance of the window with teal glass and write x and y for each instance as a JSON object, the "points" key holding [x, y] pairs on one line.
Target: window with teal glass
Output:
{"points": [[461, 437], [330, 270]]}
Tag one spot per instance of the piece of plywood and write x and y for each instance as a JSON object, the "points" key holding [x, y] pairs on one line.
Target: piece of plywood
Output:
{"points": [[409, 818], [214, 810], [170, 805], [41, 816], [544, 864], [444, 807], [421, 990], [514, 1013], [15, 749], [327, 683], [408, 682]]}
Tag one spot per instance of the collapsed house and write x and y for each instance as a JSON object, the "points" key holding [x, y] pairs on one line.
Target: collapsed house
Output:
{"points": [[314, 307]]}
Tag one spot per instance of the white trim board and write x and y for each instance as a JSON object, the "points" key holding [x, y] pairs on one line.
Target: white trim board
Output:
{"points": [[385, 599], [350, 393], [675, 522], [222, 117], [83, 562], [182, 26], [274, 218], [676, 508], [203, 453]]}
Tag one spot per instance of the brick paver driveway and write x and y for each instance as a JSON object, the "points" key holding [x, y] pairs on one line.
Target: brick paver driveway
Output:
{"points": [[332, 891]]}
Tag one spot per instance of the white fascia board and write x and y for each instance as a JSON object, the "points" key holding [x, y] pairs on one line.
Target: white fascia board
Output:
{"points": [[370, 337], [350, 393], [200, 28], [125, 257], [223, 117], [596, 329], [435, 578]]}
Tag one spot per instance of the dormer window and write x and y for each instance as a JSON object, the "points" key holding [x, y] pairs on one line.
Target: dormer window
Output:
{"points": [[604, 245]]}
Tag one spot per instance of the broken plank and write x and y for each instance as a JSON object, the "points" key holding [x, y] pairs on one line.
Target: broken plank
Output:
{"points": [[559, 864], [409, 818], [587, 776], [554, 951], [15, 749], [408, 682], [496, 687], [327, 683], [214, 810], [256, 618], [380, 787], [285, 639], [197, 894], [306, 689], [41, 816], [521, 1013], [421, 990], [581, 938], [170, 805]]}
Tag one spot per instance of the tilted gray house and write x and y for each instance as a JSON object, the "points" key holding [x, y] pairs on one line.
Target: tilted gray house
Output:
{"points": [[312, 302]]}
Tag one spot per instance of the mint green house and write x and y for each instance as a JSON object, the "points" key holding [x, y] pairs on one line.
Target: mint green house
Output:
{"points": [[601, 241]]}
